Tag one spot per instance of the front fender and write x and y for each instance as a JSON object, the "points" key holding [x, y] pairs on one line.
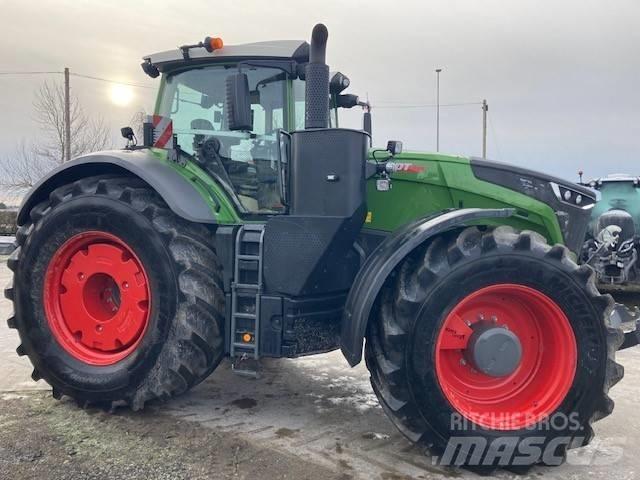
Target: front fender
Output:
{"points": [[180, 195], [385, 258]]}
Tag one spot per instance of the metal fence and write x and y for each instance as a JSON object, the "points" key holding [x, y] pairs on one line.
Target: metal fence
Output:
{"points": [[8, 222]]}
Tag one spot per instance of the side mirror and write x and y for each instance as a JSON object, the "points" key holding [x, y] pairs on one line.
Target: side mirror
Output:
{"points": [[394, 147], [347, 100], [238, 102]]}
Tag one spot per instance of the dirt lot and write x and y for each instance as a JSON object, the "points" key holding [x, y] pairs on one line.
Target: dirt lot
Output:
{"points": [[40, 439], [303, 419]]}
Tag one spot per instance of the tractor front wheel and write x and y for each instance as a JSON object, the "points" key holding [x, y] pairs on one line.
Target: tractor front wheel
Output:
{"points": [[117, 300], [494, 349]]}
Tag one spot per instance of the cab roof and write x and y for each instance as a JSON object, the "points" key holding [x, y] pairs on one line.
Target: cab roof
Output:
{"points": [[297, 50]]}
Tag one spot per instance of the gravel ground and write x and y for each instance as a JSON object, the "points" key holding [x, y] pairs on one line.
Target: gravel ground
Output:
{"points": [[41, 439]]}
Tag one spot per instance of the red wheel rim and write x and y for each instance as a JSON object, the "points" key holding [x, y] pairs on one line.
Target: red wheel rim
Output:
{"points": [[96, 298], [542, 378]]}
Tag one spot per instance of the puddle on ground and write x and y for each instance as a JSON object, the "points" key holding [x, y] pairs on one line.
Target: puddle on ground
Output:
{"points": [[286, 432], [244, 403]]}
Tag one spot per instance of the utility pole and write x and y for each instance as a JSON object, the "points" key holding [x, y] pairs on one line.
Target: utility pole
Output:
{"points": [[438, 70], [485, 109], [67, 117]]}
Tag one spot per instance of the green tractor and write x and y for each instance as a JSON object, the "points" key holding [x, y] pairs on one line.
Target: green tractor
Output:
{"points": [[250, 225], [612, 243]]}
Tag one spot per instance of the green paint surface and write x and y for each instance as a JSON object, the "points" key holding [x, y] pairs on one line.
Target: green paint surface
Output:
{"points": [[448, 182], [618, 195], [212, 193]]}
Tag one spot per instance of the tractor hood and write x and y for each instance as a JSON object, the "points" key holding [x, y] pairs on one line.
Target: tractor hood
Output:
{"points": [[571, 203], [427, 183], [618, 192], [530, 182]]}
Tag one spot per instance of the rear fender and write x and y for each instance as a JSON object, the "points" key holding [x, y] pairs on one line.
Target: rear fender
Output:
{"points": [[181, 196], [385, 258]]}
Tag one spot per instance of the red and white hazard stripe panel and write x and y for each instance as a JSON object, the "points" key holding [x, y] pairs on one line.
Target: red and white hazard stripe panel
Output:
{"points": [[162, 131]]}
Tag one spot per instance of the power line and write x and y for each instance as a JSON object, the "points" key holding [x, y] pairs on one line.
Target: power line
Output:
{"points": [[28, 73], [80, 75], [107, 80], [378, 105], [426, 105]]}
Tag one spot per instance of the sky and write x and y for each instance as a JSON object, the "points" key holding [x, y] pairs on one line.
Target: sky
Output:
{"points": [[562, 77]]}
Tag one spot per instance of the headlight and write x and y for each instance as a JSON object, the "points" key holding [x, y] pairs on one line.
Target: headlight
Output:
{"points": [[572, 197]]}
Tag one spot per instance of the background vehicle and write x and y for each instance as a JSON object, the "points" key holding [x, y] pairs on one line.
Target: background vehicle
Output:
{"points": [[262, 230], [612, 241]]}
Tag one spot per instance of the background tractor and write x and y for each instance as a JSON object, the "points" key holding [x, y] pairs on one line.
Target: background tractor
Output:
{"points": [[612, 244], [250, 225]]}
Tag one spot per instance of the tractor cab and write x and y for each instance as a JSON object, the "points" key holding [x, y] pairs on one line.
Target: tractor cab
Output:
{"points": [[245, 157]]}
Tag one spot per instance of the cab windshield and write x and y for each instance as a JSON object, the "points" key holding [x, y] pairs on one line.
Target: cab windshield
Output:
{"points": [[247, 162]]}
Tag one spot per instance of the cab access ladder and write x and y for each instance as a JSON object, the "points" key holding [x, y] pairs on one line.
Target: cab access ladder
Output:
{"points": [[246, 291]]}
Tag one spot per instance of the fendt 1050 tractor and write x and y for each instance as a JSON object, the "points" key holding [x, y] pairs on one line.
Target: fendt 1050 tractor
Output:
{"points": [[250, 225]]}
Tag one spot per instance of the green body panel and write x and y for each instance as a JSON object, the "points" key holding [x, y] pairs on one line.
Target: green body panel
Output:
{"points": [[215, 196], [448, 182]]}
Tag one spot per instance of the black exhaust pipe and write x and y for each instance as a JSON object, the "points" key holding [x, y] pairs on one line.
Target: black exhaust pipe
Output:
{"points": [[317, 81]]}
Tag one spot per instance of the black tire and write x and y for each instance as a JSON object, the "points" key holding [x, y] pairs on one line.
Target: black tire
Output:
{"points": [[183, 341], [401, 338]]}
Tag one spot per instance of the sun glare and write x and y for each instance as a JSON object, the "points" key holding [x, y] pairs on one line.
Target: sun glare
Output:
{"points": [[121, 95]]}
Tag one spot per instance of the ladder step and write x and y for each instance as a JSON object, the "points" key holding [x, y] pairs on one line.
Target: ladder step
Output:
{"points": [[248, 266], [248, 286], [248, 257], [249, 346], [253, 227], [244, 315], [246, 367], [251, 236]]}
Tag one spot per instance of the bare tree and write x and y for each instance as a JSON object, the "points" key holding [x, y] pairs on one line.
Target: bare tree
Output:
{"points": [[137, 123], [32, 160], [21, 170], [88, 133]]}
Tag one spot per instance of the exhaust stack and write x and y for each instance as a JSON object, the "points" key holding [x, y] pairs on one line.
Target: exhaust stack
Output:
{"points": [[317, 81]]}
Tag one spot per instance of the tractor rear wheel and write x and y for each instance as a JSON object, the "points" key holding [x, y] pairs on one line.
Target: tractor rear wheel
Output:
{"points": [[117, 300], [493, 349]]}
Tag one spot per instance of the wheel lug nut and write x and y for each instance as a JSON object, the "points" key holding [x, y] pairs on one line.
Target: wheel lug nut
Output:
{"points": [[81, 276], [494, 319], [98, 328]]}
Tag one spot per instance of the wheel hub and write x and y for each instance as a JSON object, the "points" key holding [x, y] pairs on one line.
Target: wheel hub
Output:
{"points": [[495, 351], [506, 356], [96, 298]]}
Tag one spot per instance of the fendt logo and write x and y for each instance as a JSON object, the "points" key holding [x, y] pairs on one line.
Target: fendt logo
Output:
{"points": [[408, 168]]}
